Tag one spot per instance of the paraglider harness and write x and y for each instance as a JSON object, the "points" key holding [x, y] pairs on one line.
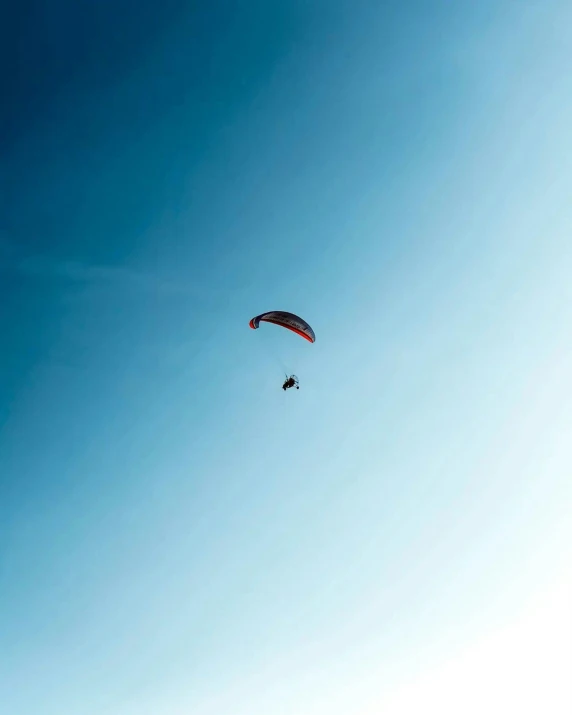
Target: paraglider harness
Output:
{"points": [[291, 381]]}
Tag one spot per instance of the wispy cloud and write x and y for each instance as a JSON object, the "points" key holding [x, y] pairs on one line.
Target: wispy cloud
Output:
{"points": [[125, 277], [14, 258], [81, 272]]}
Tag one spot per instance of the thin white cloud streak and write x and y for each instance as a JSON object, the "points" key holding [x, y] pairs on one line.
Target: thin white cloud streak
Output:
{"points": [[88, 273]]}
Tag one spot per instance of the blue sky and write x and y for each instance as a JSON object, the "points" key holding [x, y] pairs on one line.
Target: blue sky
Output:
{"points": [[176, 533]]}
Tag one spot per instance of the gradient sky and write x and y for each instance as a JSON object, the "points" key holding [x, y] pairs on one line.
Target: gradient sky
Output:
{"points": [[177, 535]]}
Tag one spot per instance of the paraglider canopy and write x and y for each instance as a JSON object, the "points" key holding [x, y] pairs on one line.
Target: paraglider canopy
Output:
{"points": [[286, 320]]}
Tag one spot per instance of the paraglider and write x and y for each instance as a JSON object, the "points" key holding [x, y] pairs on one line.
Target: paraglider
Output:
{"points": [[292, 322], [291, 381]]}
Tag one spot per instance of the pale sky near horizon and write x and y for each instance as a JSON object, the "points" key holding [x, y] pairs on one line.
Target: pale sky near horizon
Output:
{"points": [[177, 534]]}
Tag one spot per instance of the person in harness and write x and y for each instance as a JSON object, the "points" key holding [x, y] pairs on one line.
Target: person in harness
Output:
{"points": [[291, 381]]}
